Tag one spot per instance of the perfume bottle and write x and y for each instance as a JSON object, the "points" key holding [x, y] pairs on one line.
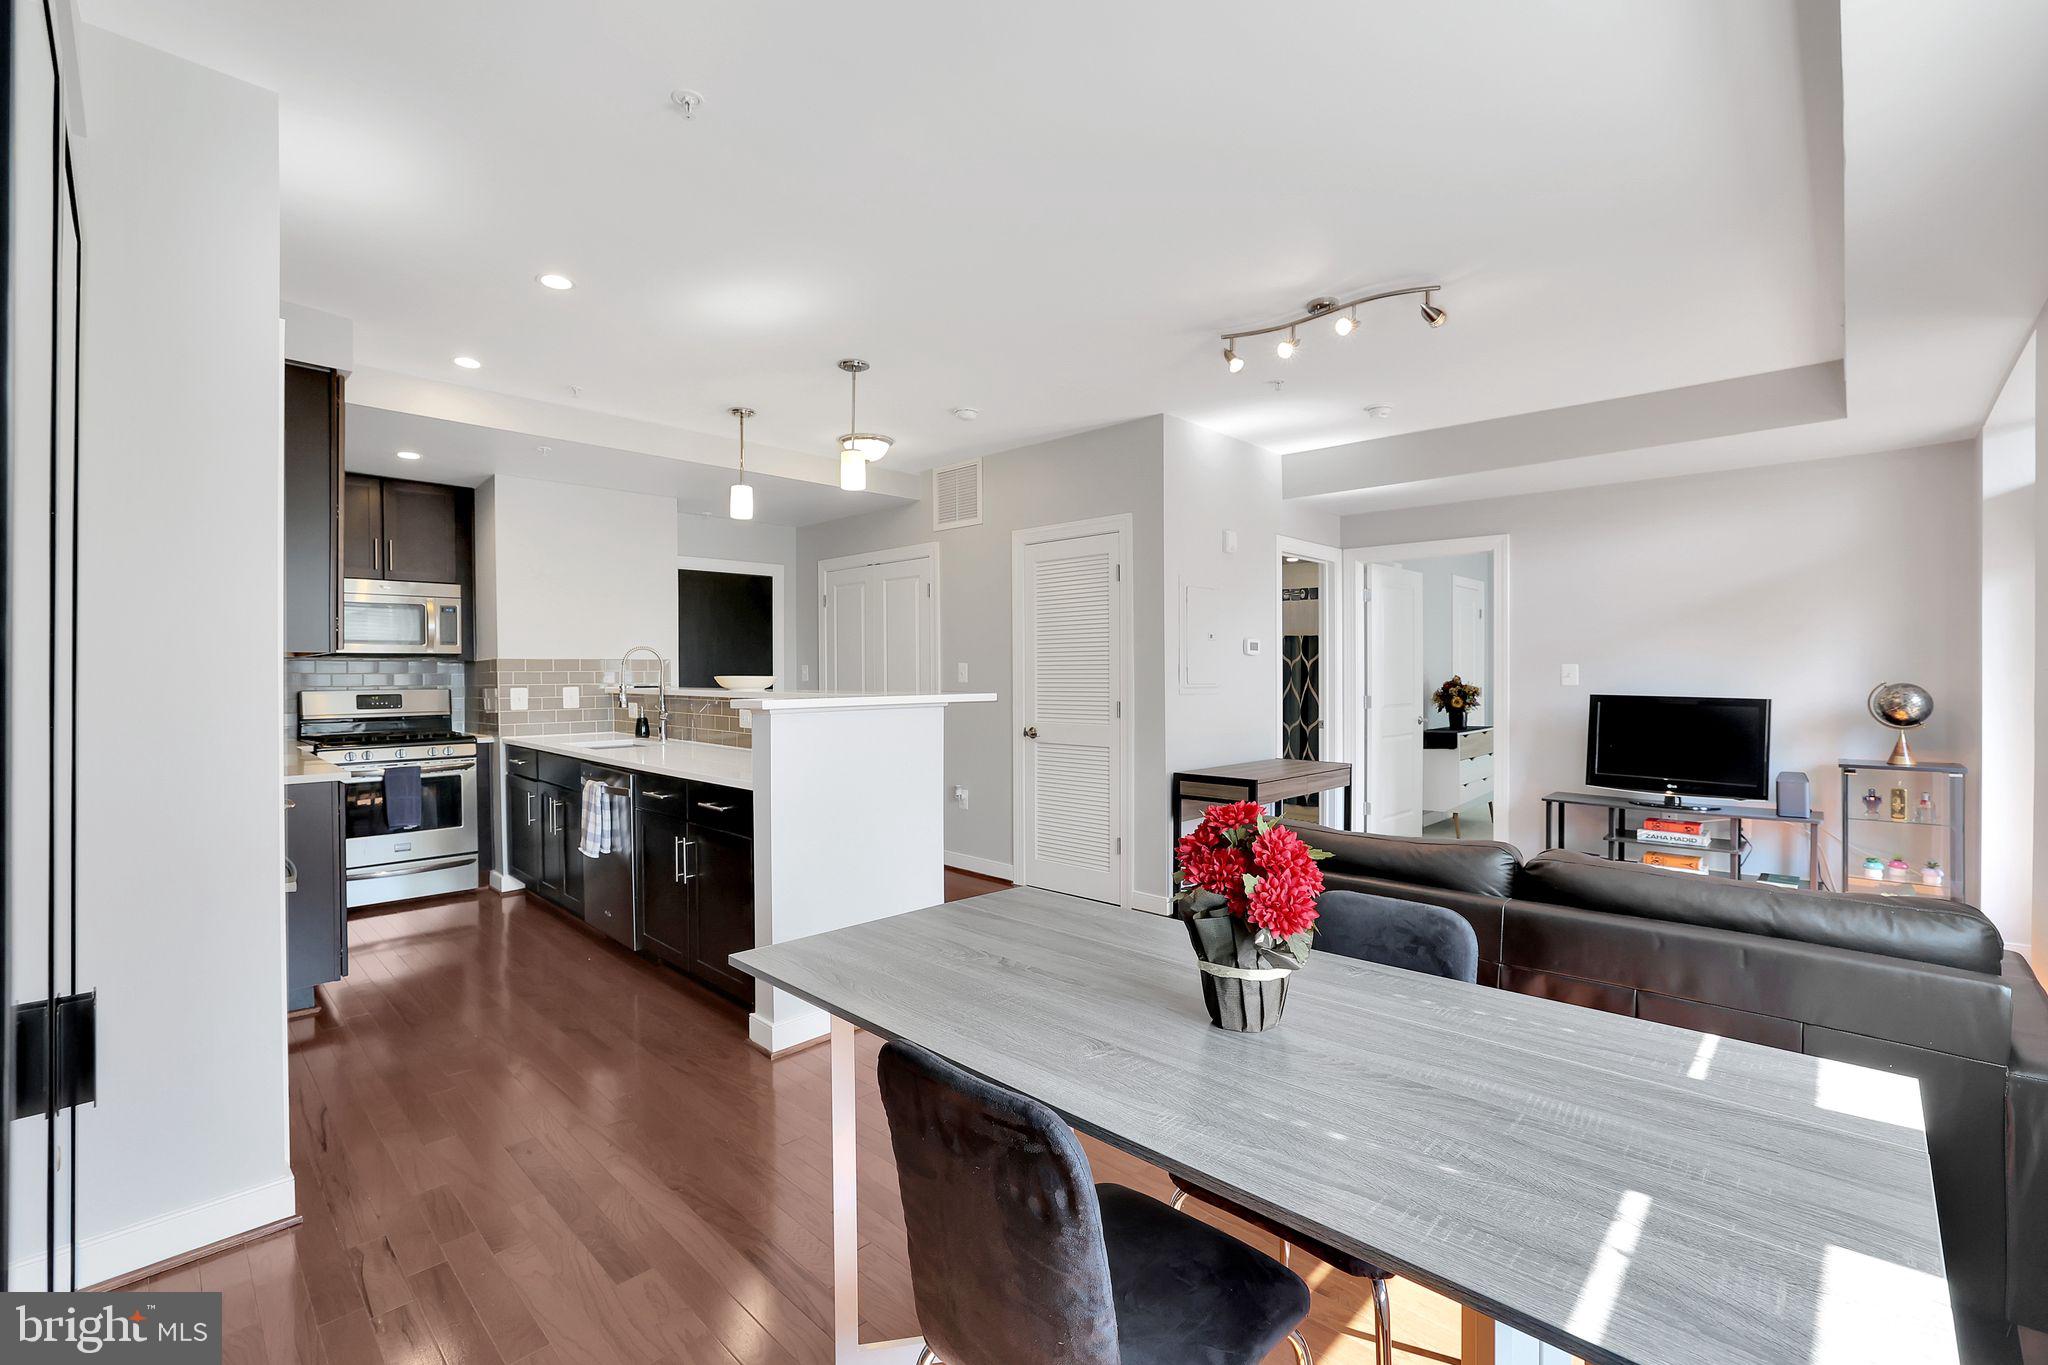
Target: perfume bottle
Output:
{"points": [[1926, 815], [1871, 801]]}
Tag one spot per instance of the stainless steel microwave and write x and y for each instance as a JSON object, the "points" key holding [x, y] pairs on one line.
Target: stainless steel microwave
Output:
{"points": [[379, 617]]}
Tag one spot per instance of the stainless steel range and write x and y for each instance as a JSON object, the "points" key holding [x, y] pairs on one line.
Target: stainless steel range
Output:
{"points": [[370, 733]]}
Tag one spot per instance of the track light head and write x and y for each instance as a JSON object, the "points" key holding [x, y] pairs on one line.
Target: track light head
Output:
{"points": [[1346, 325], [1233, 359], [1431, 314], [1289, 344]]}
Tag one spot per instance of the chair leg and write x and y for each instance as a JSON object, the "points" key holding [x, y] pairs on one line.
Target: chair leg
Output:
{"points": [[1456, 832], [1179, 1197], [1302, 1354], [928, 1356], [1383, 1324]]}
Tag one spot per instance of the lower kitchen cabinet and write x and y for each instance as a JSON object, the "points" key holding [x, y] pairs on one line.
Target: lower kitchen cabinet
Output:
{"points": [[561, 866], [316, 911], [522, 828], [696, 880]]}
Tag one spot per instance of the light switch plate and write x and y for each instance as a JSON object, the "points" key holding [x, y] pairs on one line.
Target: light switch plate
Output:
{"points": [[572, 698], [1251, 646], [960, 793], [806, 673], [517, 700], [1569, 675], [963, 672], [1230, 542]]}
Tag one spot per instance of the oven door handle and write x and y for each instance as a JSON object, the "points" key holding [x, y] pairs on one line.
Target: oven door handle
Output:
{"points": [[356, 775], [407, 869]]}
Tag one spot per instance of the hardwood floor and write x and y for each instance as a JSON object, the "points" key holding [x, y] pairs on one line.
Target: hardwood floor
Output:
{"points": [[514, 1141]]}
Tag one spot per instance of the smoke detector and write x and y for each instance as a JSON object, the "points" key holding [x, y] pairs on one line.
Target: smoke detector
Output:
{"points": [[967, 414]]}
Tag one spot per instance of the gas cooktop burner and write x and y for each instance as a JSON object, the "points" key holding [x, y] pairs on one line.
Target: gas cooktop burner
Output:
{"points": [[378, 739]]}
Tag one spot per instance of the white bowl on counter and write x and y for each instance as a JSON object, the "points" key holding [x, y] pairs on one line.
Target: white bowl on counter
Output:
{"points": [[744, 682]]}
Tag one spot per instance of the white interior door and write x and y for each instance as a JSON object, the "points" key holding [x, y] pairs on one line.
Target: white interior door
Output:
{"points": [[1070, 682], [1394, 700], [1469, 638], [881, 626]]}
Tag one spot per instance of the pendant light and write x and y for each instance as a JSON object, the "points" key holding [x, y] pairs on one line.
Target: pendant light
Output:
{"points": [[741, 508], [857, 447]]}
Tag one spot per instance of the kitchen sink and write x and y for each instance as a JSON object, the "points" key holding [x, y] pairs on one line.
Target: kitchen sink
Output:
{"points": [[613, 744]]}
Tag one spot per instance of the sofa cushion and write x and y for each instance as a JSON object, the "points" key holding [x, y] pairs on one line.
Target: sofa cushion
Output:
{"points": [[1947, 934], [2026, 1103], [1473, 866]]}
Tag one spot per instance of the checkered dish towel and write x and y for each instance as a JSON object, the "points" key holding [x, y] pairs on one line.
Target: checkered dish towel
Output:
{"points": [[604, 820]]}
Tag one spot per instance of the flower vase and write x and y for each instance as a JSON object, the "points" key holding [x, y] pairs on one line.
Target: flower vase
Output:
{"points": [[1243, 991], [1457, 715]]}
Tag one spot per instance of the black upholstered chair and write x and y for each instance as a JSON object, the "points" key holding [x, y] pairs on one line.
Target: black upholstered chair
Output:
{"points": [[1393, 933], [1018, 1258]]}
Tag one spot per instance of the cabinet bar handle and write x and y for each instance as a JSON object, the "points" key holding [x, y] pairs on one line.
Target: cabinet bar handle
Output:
{"points": [[659, 796], [391, 555], [714, 806], [682, 859]]}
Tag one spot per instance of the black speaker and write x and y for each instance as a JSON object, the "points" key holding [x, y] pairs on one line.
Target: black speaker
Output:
{"points": [[1794, 800]]}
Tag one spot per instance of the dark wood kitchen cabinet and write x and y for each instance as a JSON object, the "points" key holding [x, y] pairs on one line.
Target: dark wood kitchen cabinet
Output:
{"points": [[316, 906], [696, 879], [313, 411], [561, 866], [406, 531], [523, 827]]}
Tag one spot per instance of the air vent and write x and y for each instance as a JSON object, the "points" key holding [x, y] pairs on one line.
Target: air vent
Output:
{"points": [[956, 496]]}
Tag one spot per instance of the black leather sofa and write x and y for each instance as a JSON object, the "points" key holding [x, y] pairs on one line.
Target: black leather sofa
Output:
{"points": [[1927, 989]]}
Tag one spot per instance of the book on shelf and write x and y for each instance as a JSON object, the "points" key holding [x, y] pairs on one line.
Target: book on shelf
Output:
{"points": [[1669, 825], [1646, 835], [1676, 862]]}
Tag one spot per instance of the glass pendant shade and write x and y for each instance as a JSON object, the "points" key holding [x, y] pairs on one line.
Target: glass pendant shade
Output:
{"points": [[871, 446], [742, 505], [853, 470]]}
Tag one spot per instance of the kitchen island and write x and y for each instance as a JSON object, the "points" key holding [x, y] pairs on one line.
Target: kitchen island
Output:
{"points": [[834, 816]]}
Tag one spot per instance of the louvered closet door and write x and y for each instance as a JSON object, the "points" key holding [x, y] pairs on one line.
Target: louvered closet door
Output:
{"points": [[1073, 774]]}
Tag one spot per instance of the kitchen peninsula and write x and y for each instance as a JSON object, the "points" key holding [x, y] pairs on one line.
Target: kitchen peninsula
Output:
{"points": [[834, 816]]}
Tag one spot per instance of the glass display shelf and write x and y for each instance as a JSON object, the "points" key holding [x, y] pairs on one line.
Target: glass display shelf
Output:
{"points": [[1913, 816]]}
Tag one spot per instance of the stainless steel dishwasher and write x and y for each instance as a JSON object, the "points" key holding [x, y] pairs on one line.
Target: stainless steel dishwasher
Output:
{"points": [[608, 868]]}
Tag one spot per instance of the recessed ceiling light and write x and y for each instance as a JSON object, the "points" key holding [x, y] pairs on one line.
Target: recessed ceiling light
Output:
{"points": [[408, 454], [469, 362], [553, 281], [1379, 410]]}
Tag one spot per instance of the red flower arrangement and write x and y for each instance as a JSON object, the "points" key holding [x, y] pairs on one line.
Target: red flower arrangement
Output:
{"points": [[1266, 876]]}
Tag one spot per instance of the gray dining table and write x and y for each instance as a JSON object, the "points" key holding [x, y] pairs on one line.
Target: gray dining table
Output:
{"points": [[1601, 1187]]}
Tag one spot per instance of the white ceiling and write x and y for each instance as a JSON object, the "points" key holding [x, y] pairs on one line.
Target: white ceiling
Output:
{"points": [[466, 453], [1049, 211]]}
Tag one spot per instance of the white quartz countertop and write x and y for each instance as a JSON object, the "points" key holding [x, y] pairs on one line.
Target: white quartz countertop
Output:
{"points": [[781, 699], [720, 763], [300, 766]]}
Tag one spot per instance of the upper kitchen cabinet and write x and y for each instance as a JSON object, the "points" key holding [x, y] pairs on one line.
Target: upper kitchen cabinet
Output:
{"points": [[312, 508], [397, 529]]}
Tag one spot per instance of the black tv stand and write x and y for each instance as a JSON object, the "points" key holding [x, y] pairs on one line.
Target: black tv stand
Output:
{"points": [[1723, 851]]}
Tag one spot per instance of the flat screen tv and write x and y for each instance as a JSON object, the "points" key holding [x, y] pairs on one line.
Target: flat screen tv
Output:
{"points": [[1681, 746]]}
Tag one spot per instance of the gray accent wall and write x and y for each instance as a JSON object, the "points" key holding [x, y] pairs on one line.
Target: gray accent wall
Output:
{"points": [[1092, 474], [1806, 583]]}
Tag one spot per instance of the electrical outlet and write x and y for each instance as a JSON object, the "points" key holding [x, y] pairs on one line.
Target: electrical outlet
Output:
{"points": [[517, 701], [572, 698], [960, 793], [1251, 646], [805, 674], [963, 678], [1569, 675]]}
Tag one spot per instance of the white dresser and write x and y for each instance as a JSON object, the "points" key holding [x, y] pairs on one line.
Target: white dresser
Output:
{"points": [[1457, 771]]}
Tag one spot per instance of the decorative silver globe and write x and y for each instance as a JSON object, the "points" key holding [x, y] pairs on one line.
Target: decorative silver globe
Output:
{"points": [[1902, 707]]}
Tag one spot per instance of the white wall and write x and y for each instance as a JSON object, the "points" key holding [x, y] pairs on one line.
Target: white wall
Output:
{"points": [[1806, 583], [573, 572], [1093, 474], [182, 929], [1216, 484], [724, 538], [2007, 689], [1436, 626]]}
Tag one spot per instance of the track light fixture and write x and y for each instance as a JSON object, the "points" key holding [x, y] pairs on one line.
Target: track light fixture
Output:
{"points": [[1323, 307], [741, 508]]}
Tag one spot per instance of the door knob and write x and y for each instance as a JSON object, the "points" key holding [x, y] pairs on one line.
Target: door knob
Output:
{"points": [[1031, 732]]}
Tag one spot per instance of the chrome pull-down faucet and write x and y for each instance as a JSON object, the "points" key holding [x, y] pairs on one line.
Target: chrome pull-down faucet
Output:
{"points": [[660, 685]]}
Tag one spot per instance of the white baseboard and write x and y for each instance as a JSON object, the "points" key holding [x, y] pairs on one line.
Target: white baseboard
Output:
{"points": [[987, 867], [109, 1255], [774, 1037], [1151, 903], [503, 882]]}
